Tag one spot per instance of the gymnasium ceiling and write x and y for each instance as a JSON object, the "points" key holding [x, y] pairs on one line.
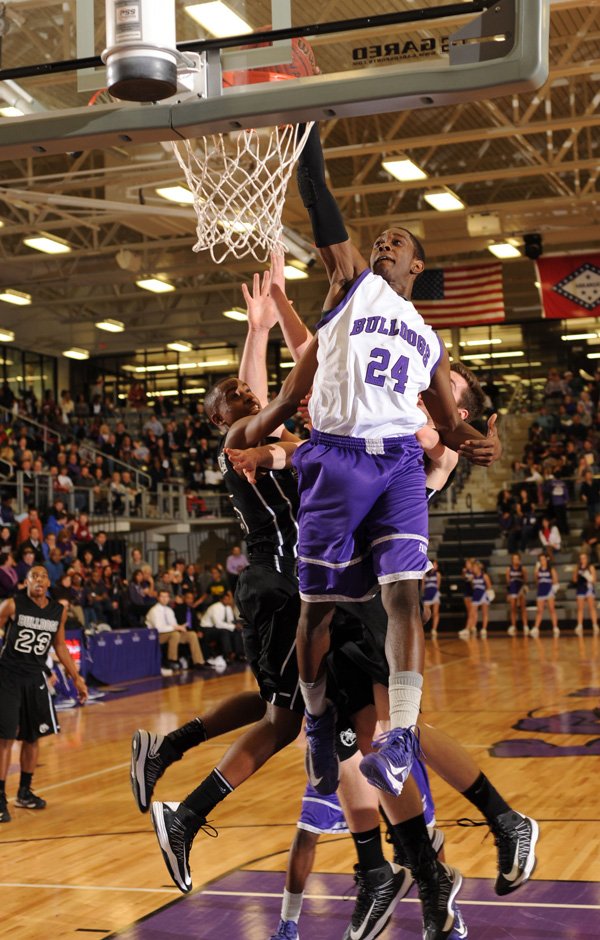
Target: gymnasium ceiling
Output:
{"points": [[531, 163]]}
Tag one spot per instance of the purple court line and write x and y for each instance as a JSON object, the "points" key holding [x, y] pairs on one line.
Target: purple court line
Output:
{"points": [[245, 905]]}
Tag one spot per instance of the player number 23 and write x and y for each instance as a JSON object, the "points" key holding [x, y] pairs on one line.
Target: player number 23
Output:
{"points": [[379, 369], [30, 641]]}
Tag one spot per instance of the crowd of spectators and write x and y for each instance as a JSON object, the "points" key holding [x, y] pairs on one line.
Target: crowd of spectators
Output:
{"points": [[187, 603], [560, 466]]}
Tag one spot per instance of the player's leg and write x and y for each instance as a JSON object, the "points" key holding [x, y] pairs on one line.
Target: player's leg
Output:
{"points": [[5, 752], [177, 824], [152, 753], [37, 718], [300, 864], [539, 616], [515, 834]]}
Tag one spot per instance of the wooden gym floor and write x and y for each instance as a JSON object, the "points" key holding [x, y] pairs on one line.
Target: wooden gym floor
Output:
{"points": [[89, 864]]}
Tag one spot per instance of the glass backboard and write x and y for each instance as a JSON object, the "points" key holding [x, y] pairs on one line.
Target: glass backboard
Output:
{"points": [[399, 55]]}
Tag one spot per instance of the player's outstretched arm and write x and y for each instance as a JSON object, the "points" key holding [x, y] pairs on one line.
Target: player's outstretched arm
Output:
{"points": [[342, 260], [62, 651], [262, 316], [269, 456], [248, 432]]}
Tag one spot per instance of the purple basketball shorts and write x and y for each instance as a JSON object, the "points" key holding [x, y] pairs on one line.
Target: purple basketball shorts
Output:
{"points": [[362, 516]]}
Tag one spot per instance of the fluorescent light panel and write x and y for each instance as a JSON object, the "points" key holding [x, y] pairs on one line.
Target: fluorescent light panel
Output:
{"points": [[403, 169], [292, 273], [499, 355], [571, 337], [444, 201], [155, 284], [111, 326], [11, 111], [236, 314], [218, 19], [48, 244], [504, 250], [480, 342], [179, 194], [76, 352], [180, 346], [10, 296], [7, 336]]}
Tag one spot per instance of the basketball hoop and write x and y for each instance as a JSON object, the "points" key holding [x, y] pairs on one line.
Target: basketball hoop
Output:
{"points": [[239, 180]]}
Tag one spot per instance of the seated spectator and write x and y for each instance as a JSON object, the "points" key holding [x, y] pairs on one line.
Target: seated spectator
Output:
{"points": [[235, 563], [190, 579], [34, 542], [556, 493], [549, 536], [57, 518], [7, 513], [81, 529], [220, 616], [591, 538], [114, 586], [54, 566], [161, 617], [98, 546], [141, 599], [67, 545], [63, 593], [213, 478], [98, 604], [24, 566], [216, 588], [6, 541], [117, 494], [9, 579], [589, 493], [31, 519]]}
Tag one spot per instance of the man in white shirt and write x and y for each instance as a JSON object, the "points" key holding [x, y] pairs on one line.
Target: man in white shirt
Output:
{"points": [[161, 617], [221, 616]]}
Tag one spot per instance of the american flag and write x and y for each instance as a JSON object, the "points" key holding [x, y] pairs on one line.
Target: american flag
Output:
{"points": [[464, 296]]}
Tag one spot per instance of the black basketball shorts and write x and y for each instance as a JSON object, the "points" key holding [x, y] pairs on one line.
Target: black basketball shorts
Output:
{"points": [[26, 708], [269, 604]]}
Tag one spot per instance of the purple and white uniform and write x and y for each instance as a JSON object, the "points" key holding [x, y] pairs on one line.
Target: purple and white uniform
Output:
{"points": [[480, 595], [363, 505], [431, 592], [323, 814], [585, 582], [545, 585], [516, 580]]}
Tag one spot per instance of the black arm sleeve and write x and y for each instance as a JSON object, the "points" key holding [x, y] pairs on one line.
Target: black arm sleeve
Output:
{"points": [[327, 223]]}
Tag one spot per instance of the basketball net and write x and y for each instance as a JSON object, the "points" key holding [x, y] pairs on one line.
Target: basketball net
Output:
{"points": [[239, 182]]}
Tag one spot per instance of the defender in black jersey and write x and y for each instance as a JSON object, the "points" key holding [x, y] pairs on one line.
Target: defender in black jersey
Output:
{"points": [[32, 624]]}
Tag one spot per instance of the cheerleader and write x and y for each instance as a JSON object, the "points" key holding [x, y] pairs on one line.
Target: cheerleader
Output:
{"points": [[584, 577], [482, 595], [547, 586], [467, 576], [431, 596], [516, 592]]}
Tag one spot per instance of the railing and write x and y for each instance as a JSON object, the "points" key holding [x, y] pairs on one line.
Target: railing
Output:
{"points": [[51, 435]]}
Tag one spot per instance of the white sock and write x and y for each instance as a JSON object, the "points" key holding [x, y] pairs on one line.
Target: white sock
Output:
{"points": [[313, 694], [405, 691], [291, 906]]}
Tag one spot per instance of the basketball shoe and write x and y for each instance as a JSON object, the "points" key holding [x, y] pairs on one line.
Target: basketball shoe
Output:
{"points": [[287, 930], [26, 799], [176, 827], [515, 836], [321, 760], [438, 886], [379, 891], [389, 765], [4, 814], [150, 757]]}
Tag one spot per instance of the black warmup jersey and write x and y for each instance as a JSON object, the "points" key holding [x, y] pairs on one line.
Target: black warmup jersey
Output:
{"points": [[266, 510], [30, 635]]}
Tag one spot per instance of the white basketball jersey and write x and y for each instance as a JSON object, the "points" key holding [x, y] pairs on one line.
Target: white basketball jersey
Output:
{"points": [[375, 355]]}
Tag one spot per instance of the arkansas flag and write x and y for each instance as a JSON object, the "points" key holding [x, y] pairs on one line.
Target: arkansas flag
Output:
{"points": [[464, 296], [570, 286]]}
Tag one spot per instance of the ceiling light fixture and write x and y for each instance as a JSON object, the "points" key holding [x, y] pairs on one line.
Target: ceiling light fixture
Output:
{"points": [[504, 250], [403, 169], [218, 19], [236, 313], [10, 296], [6, 336], [76, 352], [444, 200], [480, 342], [49, 244], [111, 326], [293, 272], [11, 111], [179, 194], [180, 346], [571, 337], [157, 285]]}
